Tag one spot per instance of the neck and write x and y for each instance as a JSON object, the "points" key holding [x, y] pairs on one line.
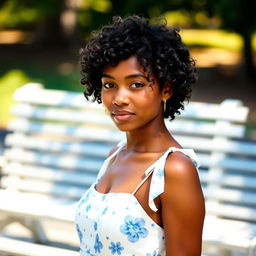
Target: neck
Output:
{"points": [[153, 137]]}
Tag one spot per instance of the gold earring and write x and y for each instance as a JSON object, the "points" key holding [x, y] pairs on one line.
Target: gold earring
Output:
{"points": [[164, 105]]}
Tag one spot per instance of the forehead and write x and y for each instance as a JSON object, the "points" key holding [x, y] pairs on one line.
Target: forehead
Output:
{"points": [[125, 67]]}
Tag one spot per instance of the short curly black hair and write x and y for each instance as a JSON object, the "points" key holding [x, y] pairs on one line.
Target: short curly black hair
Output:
{"points": [[158, 48]]}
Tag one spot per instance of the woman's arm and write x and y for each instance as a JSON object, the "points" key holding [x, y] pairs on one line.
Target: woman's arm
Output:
{"points": [[182, 207]]}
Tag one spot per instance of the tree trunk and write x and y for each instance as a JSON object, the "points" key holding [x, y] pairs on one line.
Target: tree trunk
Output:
{"points": [[248, 54], [49, 32]]}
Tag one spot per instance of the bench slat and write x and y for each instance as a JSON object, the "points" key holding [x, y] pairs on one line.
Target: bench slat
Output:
{"points": [[29, 94], [43, 187], [92, 133], [231, 180], [179, 126], [231, 195], [22, 248], [59, 114], [223, 111], [231, 211], [53, 175], [229, 163], [50, 208], [218, 145], [46, 144], [202, 128], [64, 161]]}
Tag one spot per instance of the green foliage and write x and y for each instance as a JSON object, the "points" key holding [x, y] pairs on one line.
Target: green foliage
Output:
{"points": [[15, 14], [27, 13], [8, 84], [213, 39]]}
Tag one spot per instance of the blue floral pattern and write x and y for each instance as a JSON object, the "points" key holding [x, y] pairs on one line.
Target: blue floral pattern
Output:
{"points": [[84, 199], [116, 248], [134, 228], [153, 254], [105, 210], [95, 225], [88, 253], [88, 207], [98, 244], [80, 234]]}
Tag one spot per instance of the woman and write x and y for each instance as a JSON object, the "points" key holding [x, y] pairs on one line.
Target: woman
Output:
{"points": [[147, 199]]}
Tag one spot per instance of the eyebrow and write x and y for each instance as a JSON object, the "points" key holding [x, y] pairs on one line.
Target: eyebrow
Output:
{"points": [[127, 77]]}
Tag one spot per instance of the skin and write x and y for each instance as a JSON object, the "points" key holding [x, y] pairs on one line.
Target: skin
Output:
{"points": [[181, 206]]}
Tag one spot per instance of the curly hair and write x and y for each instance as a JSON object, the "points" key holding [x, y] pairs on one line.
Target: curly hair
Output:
{"points": [[158, 48]]}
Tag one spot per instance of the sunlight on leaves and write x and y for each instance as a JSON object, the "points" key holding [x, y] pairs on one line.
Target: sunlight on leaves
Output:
{"points": [[8, 84], [97, 5]]}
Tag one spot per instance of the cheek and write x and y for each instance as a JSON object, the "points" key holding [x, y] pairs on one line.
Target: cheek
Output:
{"points": [[150, 100], [106, 99], [148, 107]]}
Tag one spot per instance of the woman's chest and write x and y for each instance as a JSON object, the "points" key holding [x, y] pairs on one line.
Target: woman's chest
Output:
{"points": [[135, 189], [124, 174]]}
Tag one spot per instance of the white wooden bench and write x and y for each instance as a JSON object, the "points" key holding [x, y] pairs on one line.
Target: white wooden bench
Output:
{"points": [[59, 142]]}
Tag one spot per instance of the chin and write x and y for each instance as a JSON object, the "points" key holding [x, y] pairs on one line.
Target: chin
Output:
{"points": [[124, 128], [128, 127], [131, 125]]}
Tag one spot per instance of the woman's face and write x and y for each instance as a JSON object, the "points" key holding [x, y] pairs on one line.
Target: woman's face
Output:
{"points": [[131, 100]]}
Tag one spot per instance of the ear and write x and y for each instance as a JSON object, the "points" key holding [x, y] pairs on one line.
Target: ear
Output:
{"points": [[167, 92]]}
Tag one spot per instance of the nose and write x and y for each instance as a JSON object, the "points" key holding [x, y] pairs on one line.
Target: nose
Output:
{"points": [[121, 98]]}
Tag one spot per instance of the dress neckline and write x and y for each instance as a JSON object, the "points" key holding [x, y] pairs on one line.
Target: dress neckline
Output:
{"points": [[129, 195], [146, 172]]}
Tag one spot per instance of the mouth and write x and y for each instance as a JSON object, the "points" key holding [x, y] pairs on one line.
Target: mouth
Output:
{"points": [[122, 115]]}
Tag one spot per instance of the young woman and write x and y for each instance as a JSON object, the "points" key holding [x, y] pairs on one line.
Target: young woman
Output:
{"points": [[147, 200]]}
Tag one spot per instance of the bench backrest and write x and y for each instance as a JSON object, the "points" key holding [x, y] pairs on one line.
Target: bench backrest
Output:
{"points": [[60, 141]]}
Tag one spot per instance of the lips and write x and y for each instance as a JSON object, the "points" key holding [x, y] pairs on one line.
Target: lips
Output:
{"points": [[122, 115]]}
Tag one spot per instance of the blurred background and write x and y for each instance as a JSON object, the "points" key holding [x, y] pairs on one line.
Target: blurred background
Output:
{"points": [[40, 42]]}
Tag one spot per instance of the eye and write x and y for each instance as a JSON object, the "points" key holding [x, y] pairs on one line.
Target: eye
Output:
{"points": [[137, 85], [108, 85]]}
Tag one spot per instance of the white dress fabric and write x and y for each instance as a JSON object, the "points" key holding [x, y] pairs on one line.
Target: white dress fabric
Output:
{"points": [[115, 223]]}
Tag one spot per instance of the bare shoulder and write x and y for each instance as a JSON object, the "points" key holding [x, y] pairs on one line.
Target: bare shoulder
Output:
{"points": [[182, 183], [180, 166]]}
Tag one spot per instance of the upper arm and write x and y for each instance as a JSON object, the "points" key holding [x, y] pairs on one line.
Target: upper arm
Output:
{"points": [[182, 207]]}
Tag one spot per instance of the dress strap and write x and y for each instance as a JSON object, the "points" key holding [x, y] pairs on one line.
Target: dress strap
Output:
{"points": [[141, 183], [120, 145], [157, 181], [148, 172]]}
